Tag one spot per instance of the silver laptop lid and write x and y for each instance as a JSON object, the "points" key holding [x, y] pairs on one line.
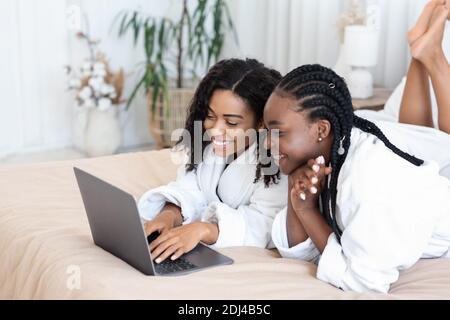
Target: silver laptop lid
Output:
{"points": [[114, 219]]}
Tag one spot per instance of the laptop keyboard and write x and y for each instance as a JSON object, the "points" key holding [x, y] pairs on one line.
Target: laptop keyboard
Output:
{"points": [[169, 266]]}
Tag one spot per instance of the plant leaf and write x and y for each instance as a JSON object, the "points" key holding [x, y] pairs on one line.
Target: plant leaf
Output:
{"points": [[134, 92], [122, 29]]}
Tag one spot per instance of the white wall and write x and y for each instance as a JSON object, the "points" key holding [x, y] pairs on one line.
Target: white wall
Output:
{"points": [[35, 109], [288, 33], [33, 50]]}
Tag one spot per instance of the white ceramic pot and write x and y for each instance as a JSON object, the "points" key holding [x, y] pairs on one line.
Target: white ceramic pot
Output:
{"points": [[103, 135], [79, 122], [341, 67], [360, 83]]}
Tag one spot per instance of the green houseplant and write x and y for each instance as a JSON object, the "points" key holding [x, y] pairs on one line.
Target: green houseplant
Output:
{"points": [[195, 39]]}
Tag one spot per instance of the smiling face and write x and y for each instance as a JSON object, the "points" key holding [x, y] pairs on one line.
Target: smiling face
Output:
{"points": [[297, 140], [228, 119]]}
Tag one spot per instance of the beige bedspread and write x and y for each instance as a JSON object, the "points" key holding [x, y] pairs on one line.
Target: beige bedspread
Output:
{"points": [[46, 247]]}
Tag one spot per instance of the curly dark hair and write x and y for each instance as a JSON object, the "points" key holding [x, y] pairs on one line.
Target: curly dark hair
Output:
{"points": [[248, 79], [326, 96]]}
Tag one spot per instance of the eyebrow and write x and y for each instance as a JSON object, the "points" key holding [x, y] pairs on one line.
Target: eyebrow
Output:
{"points": [[275, 123], [233, 116]]}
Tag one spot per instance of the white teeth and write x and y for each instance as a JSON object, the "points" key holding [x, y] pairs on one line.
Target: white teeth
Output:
{"points": [[221, 143]]}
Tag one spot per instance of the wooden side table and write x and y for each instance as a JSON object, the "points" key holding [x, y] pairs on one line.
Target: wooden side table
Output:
{"points": [[376, 102]]}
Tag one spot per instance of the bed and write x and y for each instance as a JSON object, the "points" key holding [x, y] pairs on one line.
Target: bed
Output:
{"points": [[46, 249]]}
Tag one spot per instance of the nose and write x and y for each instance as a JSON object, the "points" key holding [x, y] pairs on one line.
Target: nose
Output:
{"points": [[219, 128]]}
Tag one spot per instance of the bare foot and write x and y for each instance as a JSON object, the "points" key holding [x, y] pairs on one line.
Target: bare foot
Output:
{"points": [[427, 46], [423, 22]]}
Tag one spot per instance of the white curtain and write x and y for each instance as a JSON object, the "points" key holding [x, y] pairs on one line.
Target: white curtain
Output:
{"points": [[33, 50], [285, 34]]}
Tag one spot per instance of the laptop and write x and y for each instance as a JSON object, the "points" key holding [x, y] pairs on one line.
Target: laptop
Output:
{"points": [[117, 227]]}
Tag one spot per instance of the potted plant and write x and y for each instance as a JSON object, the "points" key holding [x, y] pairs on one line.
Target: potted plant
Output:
{"points": [[195, 39], [96, 128]]}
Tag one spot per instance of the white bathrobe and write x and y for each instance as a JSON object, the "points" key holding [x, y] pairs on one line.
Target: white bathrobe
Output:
{"points": [[423, 142], [243, 210], [392, 213]]}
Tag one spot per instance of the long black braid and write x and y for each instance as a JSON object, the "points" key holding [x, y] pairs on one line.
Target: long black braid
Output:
{"points": [[325, 94]]}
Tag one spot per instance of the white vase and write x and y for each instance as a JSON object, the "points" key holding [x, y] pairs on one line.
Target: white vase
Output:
{"points": [[79, 122], [341, 67], [103, 134], [360, 83]]}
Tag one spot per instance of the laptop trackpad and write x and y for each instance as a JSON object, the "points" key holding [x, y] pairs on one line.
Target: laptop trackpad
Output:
{"points": [[203, 256]]}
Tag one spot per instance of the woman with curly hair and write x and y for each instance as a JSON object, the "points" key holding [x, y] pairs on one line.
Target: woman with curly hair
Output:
{"points": [[224, 196]]}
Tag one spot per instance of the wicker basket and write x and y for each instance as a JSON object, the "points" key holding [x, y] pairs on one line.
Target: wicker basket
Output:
{"points": [[163, 123]]}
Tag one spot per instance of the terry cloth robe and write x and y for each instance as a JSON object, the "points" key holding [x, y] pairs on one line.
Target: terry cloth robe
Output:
{"points": [[423, 142], [392, 213], [243, 210]]}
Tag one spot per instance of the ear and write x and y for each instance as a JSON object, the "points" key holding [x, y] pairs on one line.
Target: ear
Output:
{"points": [[323, 128]]}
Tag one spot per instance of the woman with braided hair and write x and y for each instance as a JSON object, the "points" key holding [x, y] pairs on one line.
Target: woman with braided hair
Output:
{"points": [[359, 206]]}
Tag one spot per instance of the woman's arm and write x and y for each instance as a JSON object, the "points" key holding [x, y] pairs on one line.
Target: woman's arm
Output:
{"points": [[295, 232], [316, 227], [309, 182], [300, 229]]}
